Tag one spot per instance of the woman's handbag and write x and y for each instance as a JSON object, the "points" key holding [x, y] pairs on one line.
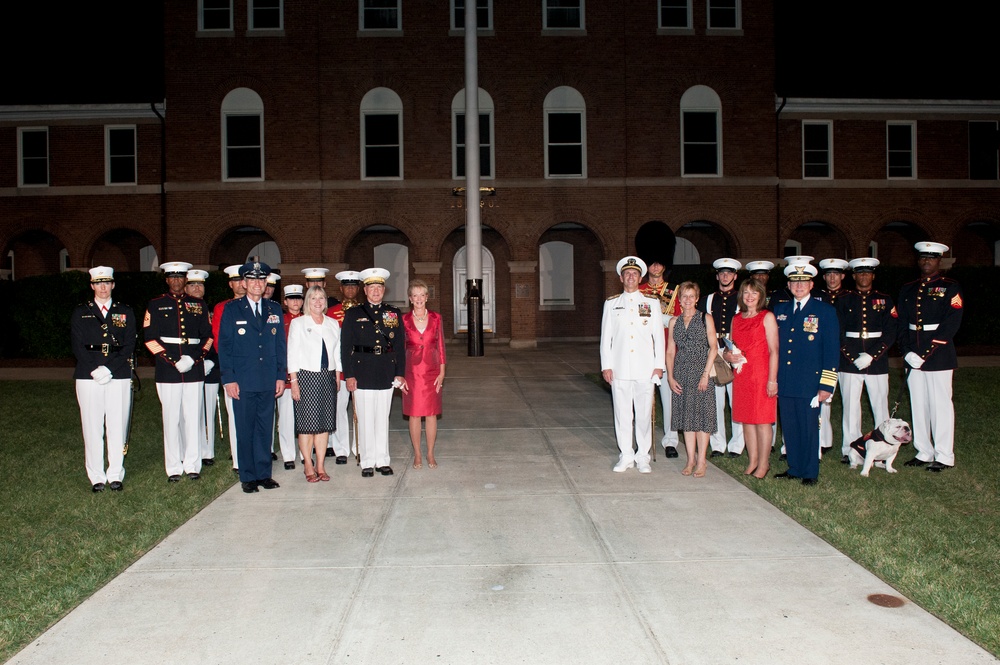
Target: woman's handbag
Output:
{"points": [[721, 371]]}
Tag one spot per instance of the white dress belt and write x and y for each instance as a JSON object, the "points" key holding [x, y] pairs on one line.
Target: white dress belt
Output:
{"points": [[864, 334], [926, 326], [181, 340]]}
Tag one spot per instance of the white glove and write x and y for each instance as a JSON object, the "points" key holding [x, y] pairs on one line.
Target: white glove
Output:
{"points": [[814, 404], [209, 366], [102, 375], [656, 380], [913, 360], [863, 361], [184, 364]]}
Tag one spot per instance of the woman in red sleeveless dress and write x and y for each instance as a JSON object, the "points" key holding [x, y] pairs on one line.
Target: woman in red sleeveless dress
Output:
{"points": [[425, 361], [755, 383]]}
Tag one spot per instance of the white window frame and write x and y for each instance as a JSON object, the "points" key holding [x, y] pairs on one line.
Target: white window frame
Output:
{"points": [[912, 150], [545, 17], [555, 274], [687, 28], [829, 149], [20, 156], [201, 19], [381, 101], [459, 28], [702, 99], [241, 102], [565, 100], [361, 19], [458, 109], [728, 28], [271, 28], [108, 156]]}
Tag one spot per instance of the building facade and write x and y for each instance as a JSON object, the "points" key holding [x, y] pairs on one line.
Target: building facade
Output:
{"points": [[312, 133]]}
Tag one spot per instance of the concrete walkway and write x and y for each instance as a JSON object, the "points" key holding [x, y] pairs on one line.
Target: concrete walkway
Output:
{"points": [[522, 547]]}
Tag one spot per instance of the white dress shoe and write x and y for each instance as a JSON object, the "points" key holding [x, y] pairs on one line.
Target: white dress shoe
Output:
{"points": [[644, 467], [623, 465]]}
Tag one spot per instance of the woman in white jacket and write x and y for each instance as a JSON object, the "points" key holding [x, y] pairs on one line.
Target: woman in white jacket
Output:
{"points": [[315, 371]]}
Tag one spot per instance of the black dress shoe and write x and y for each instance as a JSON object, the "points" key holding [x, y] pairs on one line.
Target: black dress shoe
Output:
{"points": [[250, 487], [782, 457], [274, 456], [289, 466], [341, 459], [916, 461], [207, 461], [823, 451], [236, 471], [194, 476], [845, 460], [785, 475], [98, 487], [367, 472], [731, 454], [268, 483], [329, 452], [174, 479], [809, 481], [385, 470], [116, 486], [716, 453], [670, 451], [937, 467]]}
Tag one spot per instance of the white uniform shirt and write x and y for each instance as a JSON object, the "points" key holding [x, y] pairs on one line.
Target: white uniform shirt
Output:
{"points": [[632, 339]]}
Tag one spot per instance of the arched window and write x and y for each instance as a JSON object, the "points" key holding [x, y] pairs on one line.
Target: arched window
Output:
{"points": [[267, 252], [485, 134], [242, 135], [381, 135], [685, 253], [565, 134], [701, 132], [555, 273], [396, 259]]}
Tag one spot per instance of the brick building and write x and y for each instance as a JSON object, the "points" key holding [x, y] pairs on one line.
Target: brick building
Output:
{"points": [[312, 133]]}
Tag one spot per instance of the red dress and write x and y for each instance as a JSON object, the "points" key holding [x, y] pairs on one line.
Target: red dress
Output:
{"points": [[751, 405], [424, 357]]}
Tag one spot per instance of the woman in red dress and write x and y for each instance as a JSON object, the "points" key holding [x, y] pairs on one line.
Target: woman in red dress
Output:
{"points": [[425, 361], [755, 383]]}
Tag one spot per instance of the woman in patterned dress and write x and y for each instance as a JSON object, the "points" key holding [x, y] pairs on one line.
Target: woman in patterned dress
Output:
{"points": [[314, 369], [691, 351], [425, 361]]}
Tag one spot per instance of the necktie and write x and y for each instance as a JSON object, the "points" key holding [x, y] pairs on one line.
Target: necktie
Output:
{"points": [[104, 311], [798, 306], [256, 310]]}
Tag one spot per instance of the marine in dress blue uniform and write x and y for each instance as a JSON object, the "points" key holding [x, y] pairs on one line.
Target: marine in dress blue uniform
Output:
{"points": [[253, 356], [722, 305], [373, 355], [809, 343], [103, 335], [930, 314], [178, 334], [832, 271], [867, 332]]}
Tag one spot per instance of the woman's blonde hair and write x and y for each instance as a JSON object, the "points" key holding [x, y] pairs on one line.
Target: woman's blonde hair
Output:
{"points": [[417, 284]]}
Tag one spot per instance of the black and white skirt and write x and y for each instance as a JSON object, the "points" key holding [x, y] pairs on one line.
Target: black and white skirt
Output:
{"points": [[316, 410]]}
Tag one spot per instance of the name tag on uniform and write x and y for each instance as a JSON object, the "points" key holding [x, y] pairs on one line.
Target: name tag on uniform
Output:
{"points": [[811, 324], [241, 323]]}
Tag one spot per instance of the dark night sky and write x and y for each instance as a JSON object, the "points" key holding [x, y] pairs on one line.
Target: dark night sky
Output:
{"points": [[110, 51]]}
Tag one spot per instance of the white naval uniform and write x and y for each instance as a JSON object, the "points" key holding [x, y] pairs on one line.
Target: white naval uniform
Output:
{"points": [[632, 347]]}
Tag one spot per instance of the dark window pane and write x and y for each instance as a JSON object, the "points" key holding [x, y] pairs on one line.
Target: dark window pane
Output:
{"points": [[381, 15], [243, 162], [699, 127], [381, 162], [460, 128], [816, 169], [816, 137], [121, 141], [242, 130], [482, 14], [563, 14], [34, 144], [983, 143], [121, 169], [565, 160], [215, 15], [484, 161], [266, 14], [722, 13], [700, 160], [565, 128], [900, 165], [382, 129], [460, 161], [35, 172], [674, 14]]}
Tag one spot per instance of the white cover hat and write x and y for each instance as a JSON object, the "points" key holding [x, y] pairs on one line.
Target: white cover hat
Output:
{"points": [[374, 276], [633, 262], [833, 265], [800, 272], [349, 277], [234, 271], [866, 264], [760, 266], [293, 291], [197, 275], [798, 258], [102, 274], [175, 268], [273, 278], [727, 264], [315, 273], [926, 248]]}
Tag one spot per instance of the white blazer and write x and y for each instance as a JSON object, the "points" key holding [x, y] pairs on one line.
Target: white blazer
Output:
{"points": [[632, 339], [305, 339]]}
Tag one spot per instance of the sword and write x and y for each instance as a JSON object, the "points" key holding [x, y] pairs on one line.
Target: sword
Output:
{"points": [[134, 387], [218, 412], [357, 444]]}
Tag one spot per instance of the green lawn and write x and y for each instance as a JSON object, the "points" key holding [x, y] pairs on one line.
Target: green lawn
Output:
{"points": [[61, 541]]}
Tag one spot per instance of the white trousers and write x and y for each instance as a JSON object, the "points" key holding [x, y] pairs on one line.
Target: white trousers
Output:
{"points": [[634, 398], [373, 426], [232, 430], [851, 387], [825, 426], [286, 426], [340, 440], [208, 431], [669, 439], [933, 415], [104, 409], [718, 439], [183, 411]]}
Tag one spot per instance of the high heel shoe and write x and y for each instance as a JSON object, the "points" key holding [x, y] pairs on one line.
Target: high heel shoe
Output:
{"points": [[323, 476]]}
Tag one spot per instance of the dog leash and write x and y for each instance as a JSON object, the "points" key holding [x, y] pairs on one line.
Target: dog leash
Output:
{"points": [[902, 389]]}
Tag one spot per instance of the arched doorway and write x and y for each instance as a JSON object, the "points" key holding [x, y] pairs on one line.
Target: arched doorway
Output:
{"points": [[819, 240], [700, 242], [34, 253], [122, 249], [242, 243], [894, 243], [459, 302], [978, 244]]}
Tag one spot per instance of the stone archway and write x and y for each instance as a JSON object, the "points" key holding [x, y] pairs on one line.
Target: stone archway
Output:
{"points": [[34, 253]]}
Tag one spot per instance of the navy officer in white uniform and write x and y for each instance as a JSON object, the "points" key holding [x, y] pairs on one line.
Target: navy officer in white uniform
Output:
{"points": [[253, 357], [632, 361]]}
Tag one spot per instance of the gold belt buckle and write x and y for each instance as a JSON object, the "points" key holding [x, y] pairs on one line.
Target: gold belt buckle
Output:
{"points": [[918, 327], [864, 334], [105, 349], [377, 350]]}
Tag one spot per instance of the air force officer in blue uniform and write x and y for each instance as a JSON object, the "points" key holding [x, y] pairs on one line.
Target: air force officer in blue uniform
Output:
{"points": [[809, 338], [252, 358]]}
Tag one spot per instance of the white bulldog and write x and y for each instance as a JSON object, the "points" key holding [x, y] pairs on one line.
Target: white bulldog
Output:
{"points": [[880, 445]]}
